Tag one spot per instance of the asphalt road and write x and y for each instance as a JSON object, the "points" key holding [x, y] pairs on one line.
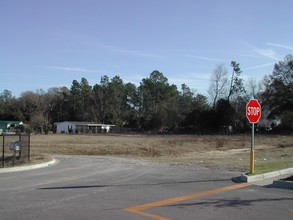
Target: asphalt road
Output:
{"points": [[112, 188]]}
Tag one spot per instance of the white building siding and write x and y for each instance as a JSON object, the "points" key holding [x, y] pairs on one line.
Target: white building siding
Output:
{"points": [[62, 127], [82, 127]]}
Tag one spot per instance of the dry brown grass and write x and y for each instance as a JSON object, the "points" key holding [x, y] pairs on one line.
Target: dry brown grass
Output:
{"points": [[228, 152]]}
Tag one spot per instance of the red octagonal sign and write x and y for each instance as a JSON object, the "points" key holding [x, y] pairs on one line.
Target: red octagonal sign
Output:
{"points": [[253, 111]]}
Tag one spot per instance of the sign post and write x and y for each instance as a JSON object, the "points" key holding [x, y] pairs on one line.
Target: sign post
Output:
{"points": [[253, 114]]}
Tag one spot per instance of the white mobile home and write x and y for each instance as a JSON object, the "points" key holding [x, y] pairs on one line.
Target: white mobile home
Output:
{"points": [[81, 127]]}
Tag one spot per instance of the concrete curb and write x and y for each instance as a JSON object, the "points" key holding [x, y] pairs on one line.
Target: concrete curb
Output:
{"points": [[30, 167], [248, 179]]}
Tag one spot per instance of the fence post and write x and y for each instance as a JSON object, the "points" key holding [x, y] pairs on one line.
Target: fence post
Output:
{"points": [[19, 153], [3, 158], [29, 146]]}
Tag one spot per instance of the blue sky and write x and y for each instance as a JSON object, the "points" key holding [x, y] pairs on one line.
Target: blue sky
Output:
{"points": [[49, 43]]}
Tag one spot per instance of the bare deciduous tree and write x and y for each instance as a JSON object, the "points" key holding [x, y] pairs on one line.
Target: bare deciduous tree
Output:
{"points": [[219, 83], [254, 88]]}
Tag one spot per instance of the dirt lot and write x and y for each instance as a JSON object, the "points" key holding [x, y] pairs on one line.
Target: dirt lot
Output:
{"points": [[220, 152]]}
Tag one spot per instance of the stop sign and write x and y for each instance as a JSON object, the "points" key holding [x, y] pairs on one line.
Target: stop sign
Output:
{"points": [[253, 111]]}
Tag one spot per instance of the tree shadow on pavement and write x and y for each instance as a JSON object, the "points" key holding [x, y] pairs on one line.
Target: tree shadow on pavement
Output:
{"points": [[236, 202], [133, 184]]}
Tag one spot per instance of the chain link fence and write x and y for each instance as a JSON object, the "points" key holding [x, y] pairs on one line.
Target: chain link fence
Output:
{"points": [[15, 149]]}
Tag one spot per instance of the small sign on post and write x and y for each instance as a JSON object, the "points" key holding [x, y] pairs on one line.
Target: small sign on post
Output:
{"points": [[253, 114]]}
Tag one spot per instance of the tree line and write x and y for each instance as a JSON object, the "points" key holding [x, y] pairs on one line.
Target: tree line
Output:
{"points": [[156, 105]]}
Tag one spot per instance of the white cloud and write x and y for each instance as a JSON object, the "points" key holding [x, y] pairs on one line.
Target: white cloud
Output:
{"points": [[288, 47], [260, 66], [73, 69], [248, 55], [194, 56], [269, 53], [207, 58]]}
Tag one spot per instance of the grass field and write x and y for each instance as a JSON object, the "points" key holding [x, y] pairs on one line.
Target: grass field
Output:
{"points": [[219, 152]]}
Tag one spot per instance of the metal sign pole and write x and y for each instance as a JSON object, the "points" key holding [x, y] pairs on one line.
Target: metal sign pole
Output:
{"points": [[253, 114], [252, 151]]}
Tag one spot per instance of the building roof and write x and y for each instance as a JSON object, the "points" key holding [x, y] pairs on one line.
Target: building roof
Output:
{"points": [[76, 122], [84, 123]]}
